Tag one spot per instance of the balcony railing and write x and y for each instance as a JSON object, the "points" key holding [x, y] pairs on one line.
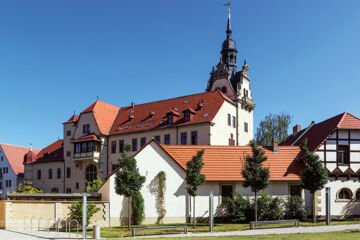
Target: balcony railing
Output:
{"points": [[87, 156]]}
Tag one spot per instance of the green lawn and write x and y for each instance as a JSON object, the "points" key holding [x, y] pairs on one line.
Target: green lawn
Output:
{"points": [[119, 232]]}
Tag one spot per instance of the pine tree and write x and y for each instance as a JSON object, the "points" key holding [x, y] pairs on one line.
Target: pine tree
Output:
{"points": [[256, 176], [193, 176], [315, 176], [128, 180]]}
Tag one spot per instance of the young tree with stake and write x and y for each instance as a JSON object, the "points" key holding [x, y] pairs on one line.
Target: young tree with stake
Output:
{"points": [[315, 176], [193, 176], [256, 176], [128, 180]]}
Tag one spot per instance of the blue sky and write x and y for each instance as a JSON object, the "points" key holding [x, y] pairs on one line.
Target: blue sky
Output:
{"points": [[56, 57]]}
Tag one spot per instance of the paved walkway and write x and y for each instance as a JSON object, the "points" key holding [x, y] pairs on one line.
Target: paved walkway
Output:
{"points": [[27, 235], [268, 231]]}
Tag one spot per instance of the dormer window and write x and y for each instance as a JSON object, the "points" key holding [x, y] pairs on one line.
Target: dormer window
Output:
{"points": [[86, 128], [171, 119], [187, 116]]}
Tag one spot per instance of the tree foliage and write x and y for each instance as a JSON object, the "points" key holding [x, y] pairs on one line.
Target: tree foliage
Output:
{"points": [[256, 176], [128, 180], [314, 176], [76, 211], [27, 187], [138, 209], [193, 176], [295, 208], [273, 126], [93, 186]]}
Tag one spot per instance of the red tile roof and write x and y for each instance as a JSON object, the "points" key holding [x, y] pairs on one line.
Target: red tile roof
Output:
{"points": [[15, 156], [51, 153], [143, 120], [88, 137], [74, 118], [224, 163], [104, 114], [318, 133]]}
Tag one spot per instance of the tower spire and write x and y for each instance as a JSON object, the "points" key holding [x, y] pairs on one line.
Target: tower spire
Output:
{"points": [[228, 28]]}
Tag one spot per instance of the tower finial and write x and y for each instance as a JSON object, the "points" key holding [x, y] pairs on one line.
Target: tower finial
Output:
{"points": [[30, 147], [228, 28]]}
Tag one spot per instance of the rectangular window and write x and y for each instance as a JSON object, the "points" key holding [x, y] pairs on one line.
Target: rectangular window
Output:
{"points": [[68, 133], [78, 148], [86, 128], [229, 119], [171, 119], [295, 190], [142, 141], [113, 147], [226, 191], [167, 139], [246, 127], [90, 146], [68, 190], [121, 146], [187, 116], [234, 121], [343, 155], [2, 158], [184, 138], [157, 138], [231, 140], [77, 185], [194, 137], [68, 172], [9, 183], [1, 187], [84, 147], [39, 174], [50, 173], [68, 153], [134, 144], [58, 173]]}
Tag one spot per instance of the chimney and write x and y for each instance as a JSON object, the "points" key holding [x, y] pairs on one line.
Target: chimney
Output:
{"points": [[275, 145], [296, 128], [132, 104]]}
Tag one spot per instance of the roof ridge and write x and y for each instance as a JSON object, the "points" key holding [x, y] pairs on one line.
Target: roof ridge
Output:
{"points": [[17, 146], [342, 119], [190, 95]]}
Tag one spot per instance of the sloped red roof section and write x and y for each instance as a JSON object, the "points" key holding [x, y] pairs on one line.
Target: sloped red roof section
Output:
{"points": [[89, 137], [15, 156], [225, 163], [51, 153], [318, 133], [142, 119], [74, 118], [104, 114]]}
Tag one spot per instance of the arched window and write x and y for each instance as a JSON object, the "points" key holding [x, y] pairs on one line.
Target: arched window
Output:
{"points": [[223, 89], [345, 194], [357, 195], [91, 173]]}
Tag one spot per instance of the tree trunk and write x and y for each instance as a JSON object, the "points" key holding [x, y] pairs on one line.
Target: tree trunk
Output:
{"points": [[129, 213], [256, 218], [314, 207], [194, 213]]}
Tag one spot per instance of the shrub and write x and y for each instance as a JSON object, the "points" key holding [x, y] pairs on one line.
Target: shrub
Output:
{"points": [[238, 208], [76, 211], [27, 187], [295, 208], [270, 208], [137, 204], [93, 186]]}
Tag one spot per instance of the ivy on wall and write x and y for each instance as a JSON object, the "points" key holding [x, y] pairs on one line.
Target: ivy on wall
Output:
{"points": [[157, 187]]}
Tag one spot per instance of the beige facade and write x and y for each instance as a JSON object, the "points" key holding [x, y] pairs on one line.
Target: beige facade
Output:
{"points": [[16, 214]]}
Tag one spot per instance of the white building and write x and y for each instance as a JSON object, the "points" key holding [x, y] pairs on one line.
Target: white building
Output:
{"points": [[11, 166], [337, 142], [223, 165]]}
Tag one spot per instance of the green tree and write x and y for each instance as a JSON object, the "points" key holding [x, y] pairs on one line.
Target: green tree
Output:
{"points": [[256, 176], [137, 204], [273, 126], [128, 180], [93, 186], [314, 176], [76, 211], [27, 187], [193, 176]]}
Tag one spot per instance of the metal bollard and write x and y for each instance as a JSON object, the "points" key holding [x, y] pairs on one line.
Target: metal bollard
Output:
{"points": [[96, 232]]}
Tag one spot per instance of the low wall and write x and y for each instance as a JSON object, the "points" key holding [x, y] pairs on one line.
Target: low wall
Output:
{"points": [[25, 214]]}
